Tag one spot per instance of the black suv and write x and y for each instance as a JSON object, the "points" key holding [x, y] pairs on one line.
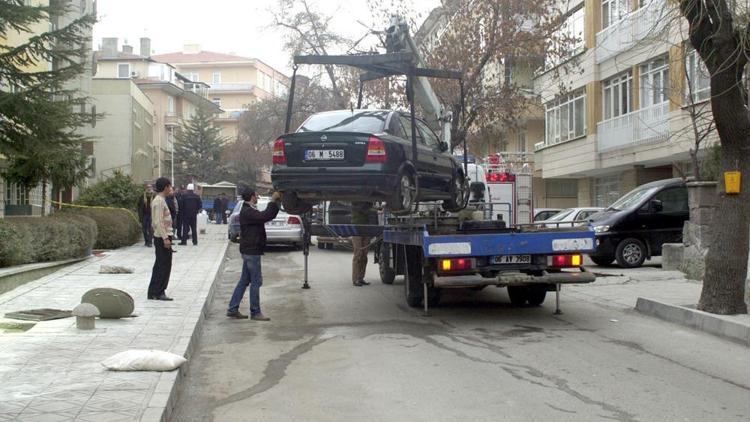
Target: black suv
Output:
{"points": [[638, 224], [365, 155]]}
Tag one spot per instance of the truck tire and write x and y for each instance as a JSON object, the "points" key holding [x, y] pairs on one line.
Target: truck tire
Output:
{"points": [[413, 276], [535, 295], [630, 253], [518, 295], [602, 261], [387, 273]]}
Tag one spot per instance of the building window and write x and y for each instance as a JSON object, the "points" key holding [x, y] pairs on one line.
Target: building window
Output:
{"points": [[521, 141], [613, 11], [123, 70], [16, 194], [565, 118], [567, 41], [562, 188], [606, 190], [216, 78], [617, 99], [698, 78], [194, 77], [217, 101], [654, 82], [170, 106]]}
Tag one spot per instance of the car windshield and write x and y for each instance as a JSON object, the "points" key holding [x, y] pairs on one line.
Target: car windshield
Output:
{"points": [[560, 216], [631, 199], [345, 121]]}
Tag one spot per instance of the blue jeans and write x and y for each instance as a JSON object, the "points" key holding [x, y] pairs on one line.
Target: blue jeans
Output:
{"points": [[251, 275]]}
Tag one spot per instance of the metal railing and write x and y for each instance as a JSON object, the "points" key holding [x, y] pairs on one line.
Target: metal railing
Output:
{"points": [[631, 29], [650, 124]]}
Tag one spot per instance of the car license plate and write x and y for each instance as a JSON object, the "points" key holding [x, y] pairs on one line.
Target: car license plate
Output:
{"points": [[324, 154], [511, 259]]}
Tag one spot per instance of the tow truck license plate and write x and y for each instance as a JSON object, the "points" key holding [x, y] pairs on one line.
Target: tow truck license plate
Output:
{"points": [[324, 154], [511, 259]]}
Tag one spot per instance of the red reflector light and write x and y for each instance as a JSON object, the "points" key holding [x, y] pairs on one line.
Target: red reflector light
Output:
{"points": [[376, 151], [456, 264], [279, 152], [500, 177], [563, 261], [293, 220]]}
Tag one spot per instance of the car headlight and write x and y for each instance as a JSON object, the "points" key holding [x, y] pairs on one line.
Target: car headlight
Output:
{"points": [[601, 229]]}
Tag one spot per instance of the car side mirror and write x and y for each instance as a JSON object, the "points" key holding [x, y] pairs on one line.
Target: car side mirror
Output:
{"points": [[443, 146], [656, 205]]}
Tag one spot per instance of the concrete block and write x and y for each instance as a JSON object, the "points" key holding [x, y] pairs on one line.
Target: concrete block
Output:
{"points": [[671, 256], [701, 216], [701, 194], [694, 262]]}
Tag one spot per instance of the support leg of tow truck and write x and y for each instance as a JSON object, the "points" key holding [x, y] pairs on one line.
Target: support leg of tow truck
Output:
{"points": [[306, 236], [426, 300], [557, 299]]}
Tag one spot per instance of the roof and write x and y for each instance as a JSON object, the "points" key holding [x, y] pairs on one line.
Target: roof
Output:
{"points": [[200, 57], [119, 56]]}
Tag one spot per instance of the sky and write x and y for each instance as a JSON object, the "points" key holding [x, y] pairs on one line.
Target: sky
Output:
{"points": [[225, 26]]}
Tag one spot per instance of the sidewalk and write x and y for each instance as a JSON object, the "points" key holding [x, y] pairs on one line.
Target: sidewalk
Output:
{"points": [[667, 295], [52, 372]]}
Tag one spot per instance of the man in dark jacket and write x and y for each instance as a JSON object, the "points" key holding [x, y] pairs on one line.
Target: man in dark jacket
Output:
{"points": [[220, 208], [252, 243], [144, 215], [190, 203]]}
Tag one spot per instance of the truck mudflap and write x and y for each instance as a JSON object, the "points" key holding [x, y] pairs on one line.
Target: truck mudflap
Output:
{"points": [[581, 276]]}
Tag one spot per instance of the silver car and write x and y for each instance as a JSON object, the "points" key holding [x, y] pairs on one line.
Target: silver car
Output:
{"points": [[285, 228]]}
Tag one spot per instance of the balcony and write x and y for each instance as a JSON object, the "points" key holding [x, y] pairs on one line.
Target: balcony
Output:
{"points": [[646, 21], [230, 114], [650, 124], [170, 119], [232, 87]]}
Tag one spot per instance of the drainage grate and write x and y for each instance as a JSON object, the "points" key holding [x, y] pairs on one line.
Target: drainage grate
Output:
{"points": [[44, 314]]}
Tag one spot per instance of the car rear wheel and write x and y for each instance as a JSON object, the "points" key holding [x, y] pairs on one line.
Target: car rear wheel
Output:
{"points": [[405, 196], [459, 194], [630, 253], [293, 205]]}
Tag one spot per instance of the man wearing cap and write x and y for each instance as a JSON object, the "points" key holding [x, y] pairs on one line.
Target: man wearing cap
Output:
{"points": [[161, 222], [252, 244], [190, 204]]}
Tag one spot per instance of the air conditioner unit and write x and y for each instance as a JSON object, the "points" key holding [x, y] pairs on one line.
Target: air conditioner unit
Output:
{"points": [[134, 74]]}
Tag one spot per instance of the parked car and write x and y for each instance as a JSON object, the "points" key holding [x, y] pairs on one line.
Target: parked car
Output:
{"points": [[636, 226], [571, 217], [365, 155], [544, 213], [285, 228]]}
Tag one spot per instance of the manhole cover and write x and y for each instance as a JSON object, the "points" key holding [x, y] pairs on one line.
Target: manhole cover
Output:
{"points": [[44, 314]]}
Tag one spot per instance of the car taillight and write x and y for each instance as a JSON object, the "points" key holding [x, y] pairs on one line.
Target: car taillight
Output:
{"points": [[293, 220], [279, 152], [376, 151], [565, 261], [456, 264], [500, 177]]}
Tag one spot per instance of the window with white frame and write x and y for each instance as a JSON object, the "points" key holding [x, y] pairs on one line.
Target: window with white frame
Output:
{"points": [[617, 96], [16, 194], [216, 78], [606, 190], [170, 106], [654, 82], [613, 11], [521, 141], [698, 78], [193, 76], [568, 39], [565, 118], [123, 70]]}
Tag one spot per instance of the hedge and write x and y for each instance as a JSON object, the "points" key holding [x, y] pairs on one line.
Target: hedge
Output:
{"points": [[116, 227], [61, 236]]}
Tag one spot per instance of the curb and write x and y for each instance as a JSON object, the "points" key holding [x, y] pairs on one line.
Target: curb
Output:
{"points": [[18, 275], [693, 318]]}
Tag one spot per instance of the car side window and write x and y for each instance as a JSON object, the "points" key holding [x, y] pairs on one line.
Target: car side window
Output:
{"points": [[428, 136], [584, 215], [406, 121], [396, 129], [673, 200]]}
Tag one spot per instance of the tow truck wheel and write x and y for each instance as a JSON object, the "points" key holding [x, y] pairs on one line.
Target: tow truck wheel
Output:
{"points": [[413, 276], [536, 295], [518, 295], [387, 273], [405, 196]]}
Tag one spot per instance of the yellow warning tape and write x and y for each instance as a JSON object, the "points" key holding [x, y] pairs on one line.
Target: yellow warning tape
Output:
{"points": [[65, 204]]}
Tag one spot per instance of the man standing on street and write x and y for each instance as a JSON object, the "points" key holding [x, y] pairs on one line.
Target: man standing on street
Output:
{"points": [[144, 214], [220, 207], [362, 213], [190, 204], [252, 243], [161, 222]]}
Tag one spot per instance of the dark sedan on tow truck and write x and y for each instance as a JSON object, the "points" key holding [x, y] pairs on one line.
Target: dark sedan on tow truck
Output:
{"points": [[365, 155]]}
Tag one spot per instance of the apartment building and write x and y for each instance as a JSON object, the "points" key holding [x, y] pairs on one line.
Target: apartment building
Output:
{"points": [[235, 81], [621, 121], [174, 97], [14, 200]]}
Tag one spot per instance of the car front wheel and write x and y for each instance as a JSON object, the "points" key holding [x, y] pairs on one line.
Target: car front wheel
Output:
{"points": [[459, 194], [405, 195], [630, 253]]}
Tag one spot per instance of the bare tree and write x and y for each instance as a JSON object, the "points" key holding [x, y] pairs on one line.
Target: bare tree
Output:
{"points": [[720, 36]]}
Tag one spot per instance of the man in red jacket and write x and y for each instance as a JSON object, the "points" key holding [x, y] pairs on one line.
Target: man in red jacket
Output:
{"points": [[252, 243]]}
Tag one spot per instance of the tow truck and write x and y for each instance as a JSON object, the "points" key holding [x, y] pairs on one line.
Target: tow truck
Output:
{"points": [[435, 250]]}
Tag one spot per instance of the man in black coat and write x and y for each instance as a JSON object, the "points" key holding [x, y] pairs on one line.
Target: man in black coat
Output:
{"points": [[190, 204], [252, 244], [220, 208]]}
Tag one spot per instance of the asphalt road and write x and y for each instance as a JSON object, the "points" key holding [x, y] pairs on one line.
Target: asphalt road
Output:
{"points": [[343, 353]]}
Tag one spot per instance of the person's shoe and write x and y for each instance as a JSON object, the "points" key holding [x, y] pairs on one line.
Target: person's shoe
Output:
{"points": [[357, 284], [183, 243], [364, 283], [260, 317], [163, 297], [150, 297], [195, 244], [236, 315]]}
